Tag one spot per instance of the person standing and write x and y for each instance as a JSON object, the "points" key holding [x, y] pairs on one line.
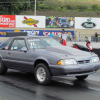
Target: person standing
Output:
{"points": [[63, 38], [36, 33], [44, 33], [75, 35], [70, 36], [79, 35], [51, 35], [96, 36]]}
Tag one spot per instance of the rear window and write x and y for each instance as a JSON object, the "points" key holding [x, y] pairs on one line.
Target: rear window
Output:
{"points": [[5, 45]]}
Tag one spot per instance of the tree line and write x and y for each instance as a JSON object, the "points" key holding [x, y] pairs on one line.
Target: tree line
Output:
{"points": [[14, 7]]}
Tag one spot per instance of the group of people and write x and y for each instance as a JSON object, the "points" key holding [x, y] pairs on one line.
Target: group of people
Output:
{"points": [[63, 37]]}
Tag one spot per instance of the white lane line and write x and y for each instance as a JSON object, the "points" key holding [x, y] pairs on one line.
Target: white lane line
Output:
{"points": [[96, 89]]}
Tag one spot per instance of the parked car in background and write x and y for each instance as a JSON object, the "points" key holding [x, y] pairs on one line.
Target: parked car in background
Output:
{"points": [[46, 57]]}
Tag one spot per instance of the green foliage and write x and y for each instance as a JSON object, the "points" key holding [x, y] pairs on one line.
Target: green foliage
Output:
{"points": [[3, 10], [81, 7], [69, 7], [15, 7], [41, 7], [58, 8], [95, 7], [63, 9]]}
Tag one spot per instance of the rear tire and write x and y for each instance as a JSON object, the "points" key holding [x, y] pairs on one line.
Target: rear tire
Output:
{"points": [[42, 74], [81, 77], [3, 68]]}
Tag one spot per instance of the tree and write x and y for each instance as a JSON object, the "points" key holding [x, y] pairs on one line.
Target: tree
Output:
{"points": [[14, 7]]}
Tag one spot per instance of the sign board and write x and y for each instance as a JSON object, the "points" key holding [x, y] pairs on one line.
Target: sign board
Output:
{"points": [[59, 22], [26, 21], [7, 21], [87, 23]]}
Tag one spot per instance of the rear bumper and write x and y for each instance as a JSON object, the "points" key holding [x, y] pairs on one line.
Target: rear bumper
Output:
{"points": [[74, 70]]}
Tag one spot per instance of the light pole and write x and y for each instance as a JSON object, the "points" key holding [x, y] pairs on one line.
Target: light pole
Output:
{"points": [[35, 9]]}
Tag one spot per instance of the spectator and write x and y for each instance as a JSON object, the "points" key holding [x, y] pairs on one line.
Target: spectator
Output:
{"points": [[79, 35], [51, 35], [63, 38], [44, 33], [70, 36], [96, 36], [75, 35], [36, 33]]}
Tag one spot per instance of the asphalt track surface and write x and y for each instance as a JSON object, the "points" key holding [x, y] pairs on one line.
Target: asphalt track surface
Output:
{"points": [[16, 85]]}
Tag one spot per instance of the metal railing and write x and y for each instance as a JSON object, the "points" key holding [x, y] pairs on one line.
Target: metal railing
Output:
{"points": [[81, 38]]}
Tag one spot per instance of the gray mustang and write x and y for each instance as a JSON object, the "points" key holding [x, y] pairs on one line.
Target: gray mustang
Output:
{"points": [[46, 57]]}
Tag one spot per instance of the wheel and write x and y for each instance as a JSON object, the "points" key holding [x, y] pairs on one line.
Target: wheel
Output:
{"points": [[42, 74], [81, 77], [3, 68]]}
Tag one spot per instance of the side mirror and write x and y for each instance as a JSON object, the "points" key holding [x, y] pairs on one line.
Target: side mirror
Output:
{"points": [[24, 49]]}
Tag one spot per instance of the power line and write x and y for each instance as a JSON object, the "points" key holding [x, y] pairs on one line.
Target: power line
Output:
{"points": [[26, 2], [22, 2], [18, 2]]}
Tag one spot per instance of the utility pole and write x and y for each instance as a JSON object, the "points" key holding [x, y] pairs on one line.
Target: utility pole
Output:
{"points": [[35, 9]]}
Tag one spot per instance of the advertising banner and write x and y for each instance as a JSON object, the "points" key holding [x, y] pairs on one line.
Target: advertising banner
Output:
{"points": [[59, 22], [33, 32], [54, 32], [26, 21], [87, 23], [46, 32], [7, 21]]}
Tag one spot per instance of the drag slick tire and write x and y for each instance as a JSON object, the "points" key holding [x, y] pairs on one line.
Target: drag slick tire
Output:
{"points": [[42, 74], [3, 68], [81, 77]]}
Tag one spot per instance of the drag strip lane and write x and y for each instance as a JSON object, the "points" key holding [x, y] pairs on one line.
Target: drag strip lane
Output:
{"points": [[16, 85]]}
